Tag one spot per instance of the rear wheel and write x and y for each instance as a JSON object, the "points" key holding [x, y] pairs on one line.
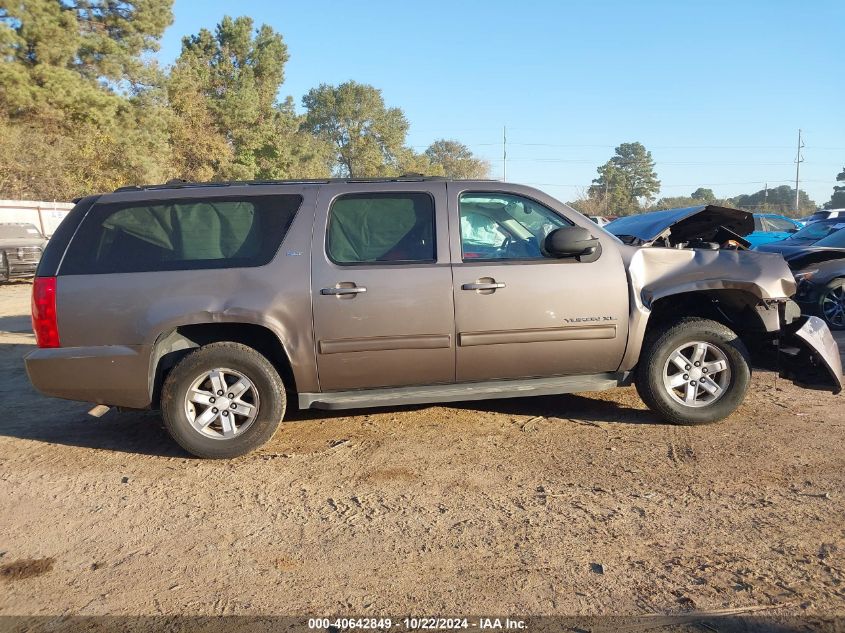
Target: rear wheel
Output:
{"points": [[222, 400], [832, 304], [4, 268], [693, 372]]}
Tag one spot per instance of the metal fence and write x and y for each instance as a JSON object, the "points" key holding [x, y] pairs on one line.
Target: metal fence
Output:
{"points": [[45, 216]]}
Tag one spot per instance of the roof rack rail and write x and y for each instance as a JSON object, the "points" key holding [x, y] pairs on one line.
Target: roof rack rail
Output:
{"points": [[179, 183]]}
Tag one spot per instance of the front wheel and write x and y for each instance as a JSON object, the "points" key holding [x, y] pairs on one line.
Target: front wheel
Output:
{"points": [[694, 371], [223, 400]]}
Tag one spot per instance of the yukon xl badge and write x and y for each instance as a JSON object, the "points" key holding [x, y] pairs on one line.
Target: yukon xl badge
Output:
{"points": [[588, 319]]}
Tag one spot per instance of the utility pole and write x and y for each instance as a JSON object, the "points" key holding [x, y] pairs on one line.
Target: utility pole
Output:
{"points": [[798, 160], [504, 152], [766, 198]]}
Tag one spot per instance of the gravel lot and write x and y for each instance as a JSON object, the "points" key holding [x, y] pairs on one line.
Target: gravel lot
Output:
{"points": [[577, 505]]}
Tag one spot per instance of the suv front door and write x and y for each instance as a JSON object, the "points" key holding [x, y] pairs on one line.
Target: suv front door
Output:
{"points": [[382, 286], [519, 313]]}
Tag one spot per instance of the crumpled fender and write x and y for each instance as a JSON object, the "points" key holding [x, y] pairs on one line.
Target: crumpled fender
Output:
{"points": [[660, 272], [656, 272]]}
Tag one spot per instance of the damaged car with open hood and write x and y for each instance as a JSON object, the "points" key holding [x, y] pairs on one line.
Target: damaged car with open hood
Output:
{"points": [[216, 303]]}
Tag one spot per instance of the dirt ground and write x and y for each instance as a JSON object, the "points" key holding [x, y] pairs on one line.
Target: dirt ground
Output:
{"points": [[577, 505]]}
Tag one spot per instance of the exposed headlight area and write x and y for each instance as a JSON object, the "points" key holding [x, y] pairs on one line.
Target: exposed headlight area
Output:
{"points": [[803, 281], [805, 275]]}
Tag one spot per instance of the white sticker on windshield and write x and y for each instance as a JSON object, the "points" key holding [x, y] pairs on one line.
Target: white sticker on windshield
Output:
{"points": [[32, 231]]}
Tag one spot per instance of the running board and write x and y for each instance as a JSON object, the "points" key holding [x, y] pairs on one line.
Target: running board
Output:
{"points": [[432, 394]]}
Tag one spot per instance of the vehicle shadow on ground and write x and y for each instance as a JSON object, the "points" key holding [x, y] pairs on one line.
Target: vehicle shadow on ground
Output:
{"points": [[55, 421], [569, 406], [20, 324], [31, 416], [68, 424], [142, 432]]}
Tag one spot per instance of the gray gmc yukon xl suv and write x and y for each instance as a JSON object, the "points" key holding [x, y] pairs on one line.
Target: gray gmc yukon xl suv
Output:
{"points": [[219, 303]]}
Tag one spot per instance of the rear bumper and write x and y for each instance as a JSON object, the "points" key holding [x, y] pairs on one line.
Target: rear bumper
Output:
{"points": [[809, 355], [114, 374]]}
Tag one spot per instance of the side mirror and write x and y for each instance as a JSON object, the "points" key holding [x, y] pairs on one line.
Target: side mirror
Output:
{"points": [[571, 241]]}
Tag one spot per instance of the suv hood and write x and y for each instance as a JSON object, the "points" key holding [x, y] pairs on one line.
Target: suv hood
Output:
{"points": [[676, 227]]}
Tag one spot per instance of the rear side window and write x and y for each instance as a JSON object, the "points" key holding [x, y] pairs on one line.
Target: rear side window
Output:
{"points": [[381, 228], [180, 234]]}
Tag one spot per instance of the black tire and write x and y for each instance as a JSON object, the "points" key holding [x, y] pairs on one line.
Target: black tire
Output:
{"points": [[5, 274], [836, 284], [233, 356], [654, 358]]}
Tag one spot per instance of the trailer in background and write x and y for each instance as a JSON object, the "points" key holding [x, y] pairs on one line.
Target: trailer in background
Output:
{"points": [[46, 216]]}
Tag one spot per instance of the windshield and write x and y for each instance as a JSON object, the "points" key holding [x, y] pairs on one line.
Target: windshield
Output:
{"points": [[817, 230], [834, 240], [18, 231]]}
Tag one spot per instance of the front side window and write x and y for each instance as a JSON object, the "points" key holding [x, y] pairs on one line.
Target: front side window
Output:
{"points": [[219, 232], [504, 226], [389, 228]]}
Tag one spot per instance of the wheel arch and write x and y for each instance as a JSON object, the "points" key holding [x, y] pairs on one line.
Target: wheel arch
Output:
{"points": [[740, 308], [737, 308], [172, 345]]}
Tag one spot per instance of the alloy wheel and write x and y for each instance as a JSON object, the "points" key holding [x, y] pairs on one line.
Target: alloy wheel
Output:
{"points": [[697, 374], [833, 306], [221, 403]]}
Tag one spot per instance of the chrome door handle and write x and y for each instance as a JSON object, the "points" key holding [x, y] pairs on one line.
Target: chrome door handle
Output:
{"points": [[490, 286], [343, 291]]}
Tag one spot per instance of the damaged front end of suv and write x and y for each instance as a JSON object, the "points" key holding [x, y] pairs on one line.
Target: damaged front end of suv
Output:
{"points": [[695, 261]]}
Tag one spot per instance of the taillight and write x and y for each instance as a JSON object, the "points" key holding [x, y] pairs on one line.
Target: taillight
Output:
{"points": [[44, 320]]}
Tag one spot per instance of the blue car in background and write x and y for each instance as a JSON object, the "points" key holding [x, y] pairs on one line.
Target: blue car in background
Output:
{"points": [[770, 227]]}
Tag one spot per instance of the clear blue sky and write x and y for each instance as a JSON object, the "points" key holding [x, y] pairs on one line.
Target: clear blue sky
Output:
{"points": [[715, 89]]}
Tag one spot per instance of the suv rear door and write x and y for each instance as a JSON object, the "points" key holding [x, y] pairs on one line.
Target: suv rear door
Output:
{"points": [[382, 286], [518, 313]]}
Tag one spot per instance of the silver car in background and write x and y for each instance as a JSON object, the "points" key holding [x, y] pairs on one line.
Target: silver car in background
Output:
{"points": [[21, 246]]}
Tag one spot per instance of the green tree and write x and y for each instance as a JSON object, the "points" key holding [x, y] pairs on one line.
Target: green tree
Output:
{"points": [[704, 195], [227, 121], [627, 180], [409, 162], [675, 202], [778, 200], [457, 160], [696, 198], [611, 191], [367, 138], [837, 200], [74, 82]]}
